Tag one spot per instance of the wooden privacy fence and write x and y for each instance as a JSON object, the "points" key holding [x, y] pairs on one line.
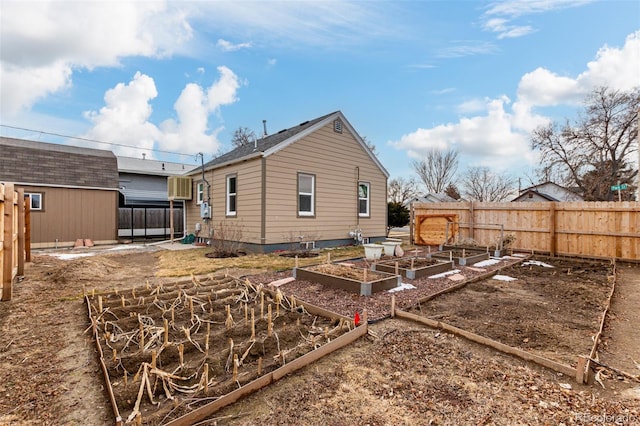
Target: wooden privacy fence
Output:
{"points": [[586, 229], [14, 244]]}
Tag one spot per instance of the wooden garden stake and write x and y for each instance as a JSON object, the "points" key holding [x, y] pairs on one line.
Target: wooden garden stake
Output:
{"points": [[260, 366], [235, 367], [412, 259], [205, 377], [206, 340], [365, 275], [147, 285], [141, 334], [115, 290], [181, 353], [293, 302], [126, 379], [261, 304], [277, 308], [393, 306], [191, 307], [326, 333], [173, 317], [269, 323], [115, 355], [450, 256], [246, 314], [93, 292], [253, 324], [464, 253], [296, 262], [133, 293], [397, 268], [84, 290], [154, 357], [122, 300], [166, 332], [328, 257], [100, 304], [229, 320]]}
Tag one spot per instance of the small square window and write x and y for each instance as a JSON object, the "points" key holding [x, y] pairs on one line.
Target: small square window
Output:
{"points": [[36, 200]]}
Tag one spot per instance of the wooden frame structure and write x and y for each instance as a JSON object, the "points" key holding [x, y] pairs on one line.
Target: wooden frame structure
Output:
{"points": [[15, 247]]}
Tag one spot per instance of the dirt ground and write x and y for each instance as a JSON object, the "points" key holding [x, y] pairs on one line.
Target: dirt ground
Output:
{"points": [[402, 373], [551, 308]]}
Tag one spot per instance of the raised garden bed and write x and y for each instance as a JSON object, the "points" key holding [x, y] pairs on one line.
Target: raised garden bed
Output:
{"points": [[360, 281], [414, 267], [462, 257], [168, 351], [495, 252]]}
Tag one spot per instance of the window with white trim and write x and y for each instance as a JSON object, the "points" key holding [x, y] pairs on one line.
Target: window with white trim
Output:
{"points": [[306, 194], [363, 199], [199, 192], [232, 194], [36, 200]]}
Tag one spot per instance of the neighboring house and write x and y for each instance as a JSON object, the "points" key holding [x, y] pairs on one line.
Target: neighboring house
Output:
{"points": [[74, 191], [316, 182], [547, 191], [432, 197], [144, 210]]}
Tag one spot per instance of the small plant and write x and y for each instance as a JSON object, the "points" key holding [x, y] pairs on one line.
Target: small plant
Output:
{"points": [[227, 240]]}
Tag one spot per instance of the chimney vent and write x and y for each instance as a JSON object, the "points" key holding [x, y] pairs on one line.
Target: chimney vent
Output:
{"points": [[264, 126]]}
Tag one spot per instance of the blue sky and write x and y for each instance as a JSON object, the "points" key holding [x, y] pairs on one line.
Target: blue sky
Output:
{"points": [[410, 76]]}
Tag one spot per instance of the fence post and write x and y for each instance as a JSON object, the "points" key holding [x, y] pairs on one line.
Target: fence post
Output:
{"points": [[21, 254], [7, 243], [27, 229], [552, 229], [471, 220]]}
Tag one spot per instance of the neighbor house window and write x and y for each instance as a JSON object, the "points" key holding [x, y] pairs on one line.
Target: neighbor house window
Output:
{"points": [[199, 192], [306, 194], [36, 200], [363, 199], [232, 194]]}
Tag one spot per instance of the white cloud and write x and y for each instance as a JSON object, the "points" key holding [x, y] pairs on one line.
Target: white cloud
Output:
{"points": [[499, 137], [61, 37], [499, 16], [126, 117], [227, 46], [460, 48], [272, 62]]}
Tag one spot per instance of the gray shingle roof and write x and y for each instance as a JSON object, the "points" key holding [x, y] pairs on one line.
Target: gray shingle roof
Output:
{"points": [[262, 144], [24, 161]]}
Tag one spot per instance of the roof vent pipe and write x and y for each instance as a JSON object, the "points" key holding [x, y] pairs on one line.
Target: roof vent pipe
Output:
{"points": [[264, 127], [144, 156]]}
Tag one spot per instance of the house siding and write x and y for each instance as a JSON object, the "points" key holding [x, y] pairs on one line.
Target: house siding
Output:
{"points": [[71, 213], [248, 200], [335, 159]]}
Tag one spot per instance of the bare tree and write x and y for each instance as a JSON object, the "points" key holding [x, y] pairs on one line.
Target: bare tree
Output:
{"points": [[437, 169], [242, 136], [481, 184], [599, 144], [370, 145], [401, 190], [452, 191]]}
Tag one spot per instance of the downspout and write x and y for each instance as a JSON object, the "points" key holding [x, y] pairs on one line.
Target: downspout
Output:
{"points": [[357, 197]]}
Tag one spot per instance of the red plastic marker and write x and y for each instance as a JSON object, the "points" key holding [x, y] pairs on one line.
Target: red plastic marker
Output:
{"points": [[356, 319]]}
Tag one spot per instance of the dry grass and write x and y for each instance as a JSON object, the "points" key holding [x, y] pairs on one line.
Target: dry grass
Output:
{"points": [[186, 262]]}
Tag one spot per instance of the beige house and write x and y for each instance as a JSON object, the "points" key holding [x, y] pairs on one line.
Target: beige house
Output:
{"points": [[315, 184]]}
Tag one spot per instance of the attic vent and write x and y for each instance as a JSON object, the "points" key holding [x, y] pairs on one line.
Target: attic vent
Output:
{"points": [[179, 188], [337, 126]]}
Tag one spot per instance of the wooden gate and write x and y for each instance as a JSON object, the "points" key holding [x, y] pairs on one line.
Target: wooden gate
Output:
{"points": [[431, 229]]}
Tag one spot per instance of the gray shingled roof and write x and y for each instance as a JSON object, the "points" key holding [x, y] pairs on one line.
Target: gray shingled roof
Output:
{"points": [[151, 167], [30, 162], [262, 144]]}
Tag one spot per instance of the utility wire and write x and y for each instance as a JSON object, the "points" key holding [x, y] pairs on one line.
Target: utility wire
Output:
{"points": [[94, 140]]}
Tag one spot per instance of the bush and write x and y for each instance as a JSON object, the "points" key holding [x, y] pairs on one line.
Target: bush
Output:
{"points": [[397, 215]]}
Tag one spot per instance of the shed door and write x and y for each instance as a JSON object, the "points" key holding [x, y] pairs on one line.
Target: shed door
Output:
{"points": [[431, 229]]}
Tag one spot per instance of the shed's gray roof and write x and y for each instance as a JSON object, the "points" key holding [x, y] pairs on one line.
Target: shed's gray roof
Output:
{"points": [[39, 163]]}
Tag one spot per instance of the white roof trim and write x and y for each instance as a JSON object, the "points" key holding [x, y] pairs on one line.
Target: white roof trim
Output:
{"points": [[321, 124]]}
